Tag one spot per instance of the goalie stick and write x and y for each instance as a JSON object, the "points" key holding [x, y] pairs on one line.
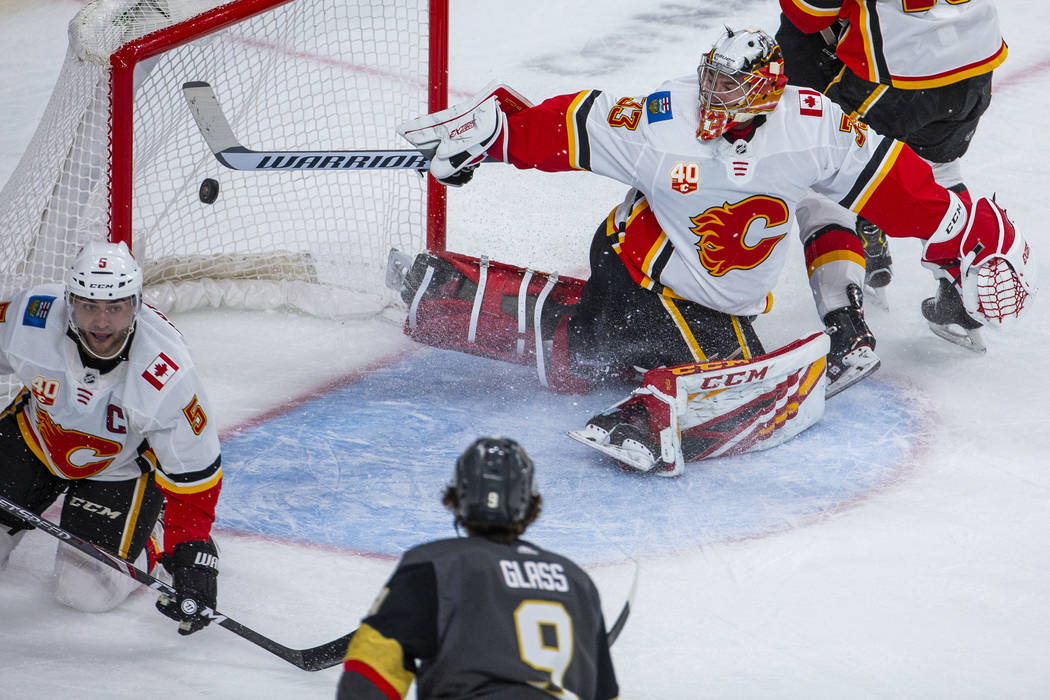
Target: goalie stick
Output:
{"points": [[312, 659], [227, 149]]}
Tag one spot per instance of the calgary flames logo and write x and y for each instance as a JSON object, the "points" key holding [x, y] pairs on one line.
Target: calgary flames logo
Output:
{"points": [[722, 231], [64, 445]]}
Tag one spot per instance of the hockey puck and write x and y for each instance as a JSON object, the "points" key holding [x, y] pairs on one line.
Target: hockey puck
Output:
{"points": [[209, 190]]}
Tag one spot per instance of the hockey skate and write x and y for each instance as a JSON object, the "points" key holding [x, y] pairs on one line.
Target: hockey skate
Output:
{"points": [[622, 432], [406, 275], [877, 258], [852, 356], [948, 319]]}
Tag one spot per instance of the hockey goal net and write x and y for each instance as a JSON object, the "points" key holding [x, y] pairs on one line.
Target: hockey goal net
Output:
{"points": [[118, 155]]}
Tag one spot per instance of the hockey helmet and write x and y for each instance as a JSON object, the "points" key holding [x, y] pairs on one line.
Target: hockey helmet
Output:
{"points": [[741, 76], [101, 275], [493, 484]]}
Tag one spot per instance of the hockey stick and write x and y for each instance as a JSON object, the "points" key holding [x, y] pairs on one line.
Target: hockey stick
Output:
{"points": [[217, 132], [621, 619], [312, 659]]}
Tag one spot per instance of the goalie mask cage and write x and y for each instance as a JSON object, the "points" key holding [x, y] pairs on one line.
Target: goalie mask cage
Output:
{"points": [[117, 154]]}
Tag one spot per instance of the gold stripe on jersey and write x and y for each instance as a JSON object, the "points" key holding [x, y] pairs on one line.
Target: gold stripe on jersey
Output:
{"points": [[869, 101], [683, 329], [816, 10], [166, 483], [16, 403], [655, 249], [574, 145], [740, 337], [864, 27], [833, 256], [880, 174], [382, 655], [133, 515], [953, 76], [33, 444]]}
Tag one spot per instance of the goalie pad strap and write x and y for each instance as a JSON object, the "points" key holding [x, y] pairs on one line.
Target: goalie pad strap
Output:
{"points": [[522, 297], [418, 296], [482, 308], [479, 295], [541, 368]]}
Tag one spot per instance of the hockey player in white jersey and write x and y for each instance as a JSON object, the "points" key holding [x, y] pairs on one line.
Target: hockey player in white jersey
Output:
{"points": [[920, 71], [718, 162], [113, 414]]}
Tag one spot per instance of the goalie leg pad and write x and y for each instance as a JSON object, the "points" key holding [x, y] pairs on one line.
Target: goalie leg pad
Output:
{"points": [[494, 310], [713, 409]]}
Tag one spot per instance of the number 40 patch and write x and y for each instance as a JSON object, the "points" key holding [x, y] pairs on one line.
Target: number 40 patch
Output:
{"points": [[685, 177]]}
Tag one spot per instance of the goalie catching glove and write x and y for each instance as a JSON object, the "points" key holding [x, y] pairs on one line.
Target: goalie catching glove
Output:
{"points": [[978, 250], [463, 135], [194, 570]]}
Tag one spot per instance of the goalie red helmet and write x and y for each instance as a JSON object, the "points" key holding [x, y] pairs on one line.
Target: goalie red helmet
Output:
{"points": [[103, 295], [493, 486], [741, 76]]}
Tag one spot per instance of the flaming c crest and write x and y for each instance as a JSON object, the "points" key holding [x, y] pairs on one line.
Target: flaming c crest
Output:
{"points": [[722, 229], [63, 445]]}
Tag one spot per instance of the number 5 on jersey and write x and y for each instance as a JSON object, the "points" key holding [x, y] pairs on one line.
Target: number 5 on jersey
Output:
{"points": [[195, 415]]}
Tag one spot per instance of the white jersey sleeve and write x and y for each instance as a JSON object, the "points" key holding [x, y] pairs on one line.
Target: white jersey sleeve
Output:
{"points": [[114, 425]]}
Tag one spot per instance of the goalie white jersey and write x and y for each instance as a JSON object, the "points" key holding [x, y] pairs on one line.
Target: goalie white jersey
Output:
{"points": [[722, 209], [85, 424]]}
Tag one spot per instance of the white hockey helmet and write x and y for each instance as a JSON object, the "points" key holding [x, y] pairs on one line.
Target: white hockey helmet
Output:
{"points": [[740, 76], [101, 273]]}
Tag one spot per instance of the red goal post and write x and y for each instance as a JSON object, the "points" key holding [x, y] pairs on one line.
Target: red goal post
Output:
{"points": [[118, 156]]}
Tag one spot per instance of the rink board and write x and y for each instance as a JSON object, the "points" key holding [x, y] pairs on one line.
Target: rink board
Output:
{"points": [[364, 466]]}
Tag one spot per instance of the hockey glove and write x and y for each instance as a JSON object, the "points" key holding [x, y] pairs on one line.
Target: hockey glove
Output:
{"points": [[194, 570], [987, 260], [463, 134]]}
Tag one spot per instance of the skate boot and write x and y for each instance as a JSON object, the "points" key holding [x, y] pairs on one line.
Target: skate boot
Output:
{"points": [[878, 271], [406, 275], [852, 356], [948, 318], [622, 432]]}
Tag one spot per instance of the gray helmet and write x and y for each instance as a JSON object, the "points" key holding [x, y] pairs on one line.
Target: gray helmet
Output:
{"points": [[493, 484]]}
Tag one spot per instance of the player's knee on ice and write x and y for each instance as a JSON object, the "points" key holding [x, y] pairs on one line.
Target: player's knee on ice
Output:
{"points": [[89, 585], [8, 542]]}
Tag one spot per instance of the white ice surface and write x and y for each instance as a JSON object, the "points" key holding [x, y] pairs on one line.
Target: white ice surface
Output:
{"points": [[935, 586]]}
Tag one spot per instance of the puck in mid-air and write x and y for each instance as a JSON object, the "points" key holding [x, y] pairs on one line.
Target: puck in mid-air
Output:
{"points": [[209, 190]]}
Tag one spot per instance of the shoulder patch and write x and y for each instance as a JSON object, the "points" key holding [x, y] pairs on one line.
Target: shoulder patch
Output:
{"points": [[159, 371], [658, 106], [810, 103], [37, 309]]}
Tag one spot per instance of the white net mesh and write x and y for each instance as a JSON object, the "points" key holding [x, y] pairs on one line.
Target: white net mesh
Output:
{"points": [[1001, 296], [307, 75]]}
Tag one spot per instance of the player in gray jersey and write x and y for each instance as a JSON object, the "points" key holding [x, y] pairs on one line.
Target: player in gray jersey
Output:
{"points": [[488, 615]]}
